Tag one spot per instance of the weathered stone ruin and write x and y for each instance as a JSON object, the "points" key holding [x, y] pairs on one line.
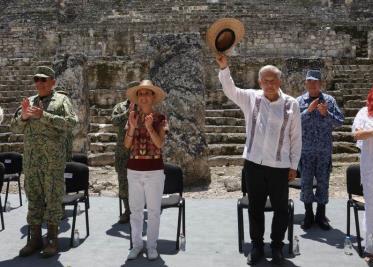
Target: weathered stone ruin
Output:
{"points": [[98, 46]]}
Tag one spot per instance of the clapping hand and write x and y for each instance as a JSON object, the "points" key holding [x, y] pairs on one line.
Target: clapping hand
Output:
{"points": [[133, 118], [323, 108], [149, 122]]}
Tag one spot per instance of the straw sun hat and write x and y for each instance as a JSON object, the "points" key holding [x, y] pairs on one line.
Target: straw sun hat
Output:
{"points": [[159, 94], [224, 33]]}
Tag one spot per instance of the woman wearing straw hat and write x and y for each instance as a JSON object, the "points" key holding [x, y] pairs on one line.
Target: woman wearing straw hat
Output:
{"points": [[145, 169]]}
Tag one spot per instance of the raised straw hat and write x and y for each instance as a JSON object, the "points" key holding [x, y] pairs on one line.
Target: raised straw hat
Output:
{"points": [[224, 34]]}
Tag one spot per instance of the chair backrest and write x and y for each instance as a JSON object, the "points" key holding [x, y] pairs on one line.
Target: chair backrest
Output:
{"points": [[2, 171], [174, 179], [354, 186], [12, 162], [80, 157], [76, 177]]}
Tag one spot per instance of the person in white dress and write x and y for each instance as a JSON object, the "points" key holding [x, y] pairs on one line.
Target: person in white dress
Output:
{"points": [[362, 129]]}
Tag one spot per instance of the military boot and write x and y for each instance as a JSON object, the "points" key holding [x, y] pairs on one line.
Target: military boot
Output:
{"points": [[309, 217], [34, 244], [125, 217], [51, 248], [321, 219]]}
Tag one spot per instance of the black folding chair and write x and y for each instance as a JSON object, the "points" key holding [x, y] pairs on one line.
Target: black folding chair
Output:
{"points": [[80, 157], [77, 182], [296, 183], [2, 170], [243, 203], [13, 169], [173, 188], [173, 197], [354, 187]]}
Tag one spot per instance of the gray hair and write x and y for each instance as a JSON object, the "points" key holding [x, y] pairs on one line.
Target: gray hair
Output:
{"points": [[270, 68]]}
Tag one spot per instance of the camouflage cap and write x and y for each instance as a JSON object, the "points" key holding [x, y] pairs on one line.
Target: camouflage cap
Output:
{"points": [[44, 71]]}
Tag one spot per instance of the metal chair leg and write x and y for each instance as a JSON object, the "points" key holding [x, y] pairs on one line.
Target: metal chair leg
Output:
{"points": [[348, 218], [6, 195], [73, 225], [178, 228], [184, 219], [19, 191], [240, 228], [86, 216], [358, 232], [2, 216], [291, 227], [120, 207]]}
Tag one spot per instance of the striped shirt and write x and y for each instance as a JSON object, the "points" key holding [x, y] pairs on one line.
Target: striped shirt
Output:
{"points": [[273, 129]]}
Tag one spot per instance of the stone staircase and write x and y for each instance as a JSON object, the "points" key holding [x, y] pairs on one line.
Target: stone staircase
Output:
{"points": [[102, 134], [225, 125]]}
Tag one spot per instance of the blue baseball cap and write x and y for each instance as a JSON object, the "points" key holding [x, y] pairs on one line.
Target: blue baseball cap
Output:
{"points": [[313, 75]]}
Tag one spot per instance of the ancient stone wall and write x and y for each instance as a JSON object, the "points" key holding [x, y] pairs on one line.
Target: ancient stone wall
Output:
{"points": [[99, 46]]}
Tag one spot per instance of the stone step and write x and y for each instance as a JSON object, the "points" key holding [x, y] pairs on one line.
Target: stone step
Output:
{"points": [[101, 128], [350, 85], [101, 159], [343, 128], [224, 129], [344, 147], [361, 97], [353, 79], [343, 137], [102, 137], [350, 112], [227, 160], [100, 119], [362, 92], [348, 120], [17, 93], [10, 137], [346, 157], [4, 128], [219, 138], [94, 111], [100, 147], [237, 160], [225, 149], [12, 147], [236, 113], [354, 104], [228, 121], [227, 105]]}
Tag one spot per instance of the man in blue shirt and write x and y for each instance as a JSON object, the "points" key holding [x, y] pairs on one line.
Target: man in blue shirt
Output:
{"points": [[319, 114]]}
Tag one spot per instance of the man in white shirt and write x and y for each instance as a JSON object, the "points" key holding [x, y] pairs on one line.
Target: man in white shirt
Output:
{"points": [[272, 152]]}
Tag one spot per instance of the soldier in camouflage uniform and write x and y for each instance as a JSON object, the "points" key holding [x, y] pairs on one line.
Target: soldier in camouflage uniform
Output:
{"points": [[320, 114], [119, 118], [44, 119]]}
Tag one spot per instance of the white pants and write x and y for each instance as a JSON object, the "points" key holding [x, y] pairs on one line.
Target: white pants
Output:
{"points": [[145, 187], [367, 181]]}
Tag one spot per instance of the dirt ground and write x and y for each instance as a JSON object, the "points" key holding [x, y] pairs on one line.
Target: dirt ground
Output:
{"points": [[225, 183]]}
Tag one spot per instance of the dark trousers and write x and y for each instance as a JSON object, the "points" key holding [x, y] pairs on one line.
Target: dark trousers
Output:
{"points": [[261, 182]]}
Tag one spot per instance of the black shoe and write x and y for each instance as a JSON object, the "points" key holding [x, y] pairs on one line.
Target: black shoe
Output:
{"points": [[277, 256], [255, 255], [309, 218], [321, 219]]}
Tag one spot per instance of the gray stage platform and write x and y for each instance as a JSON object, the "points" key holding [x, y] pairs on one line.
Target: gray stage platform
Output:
{"points": [[211, 234]]}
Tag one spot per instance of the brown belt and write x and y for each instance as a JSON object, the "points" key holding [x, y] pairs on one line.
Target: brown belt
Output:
{"points": [[145, 157]]}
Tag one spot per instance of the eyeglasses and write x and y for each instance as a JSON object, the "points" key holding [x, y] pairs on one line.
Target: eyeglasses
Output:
{"points": [[40, 79]]}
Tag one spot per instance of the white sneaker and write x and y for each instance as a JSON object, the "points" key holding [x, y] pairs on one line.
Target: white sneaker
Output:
{"points": [[134, 253], [152, 254]]}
